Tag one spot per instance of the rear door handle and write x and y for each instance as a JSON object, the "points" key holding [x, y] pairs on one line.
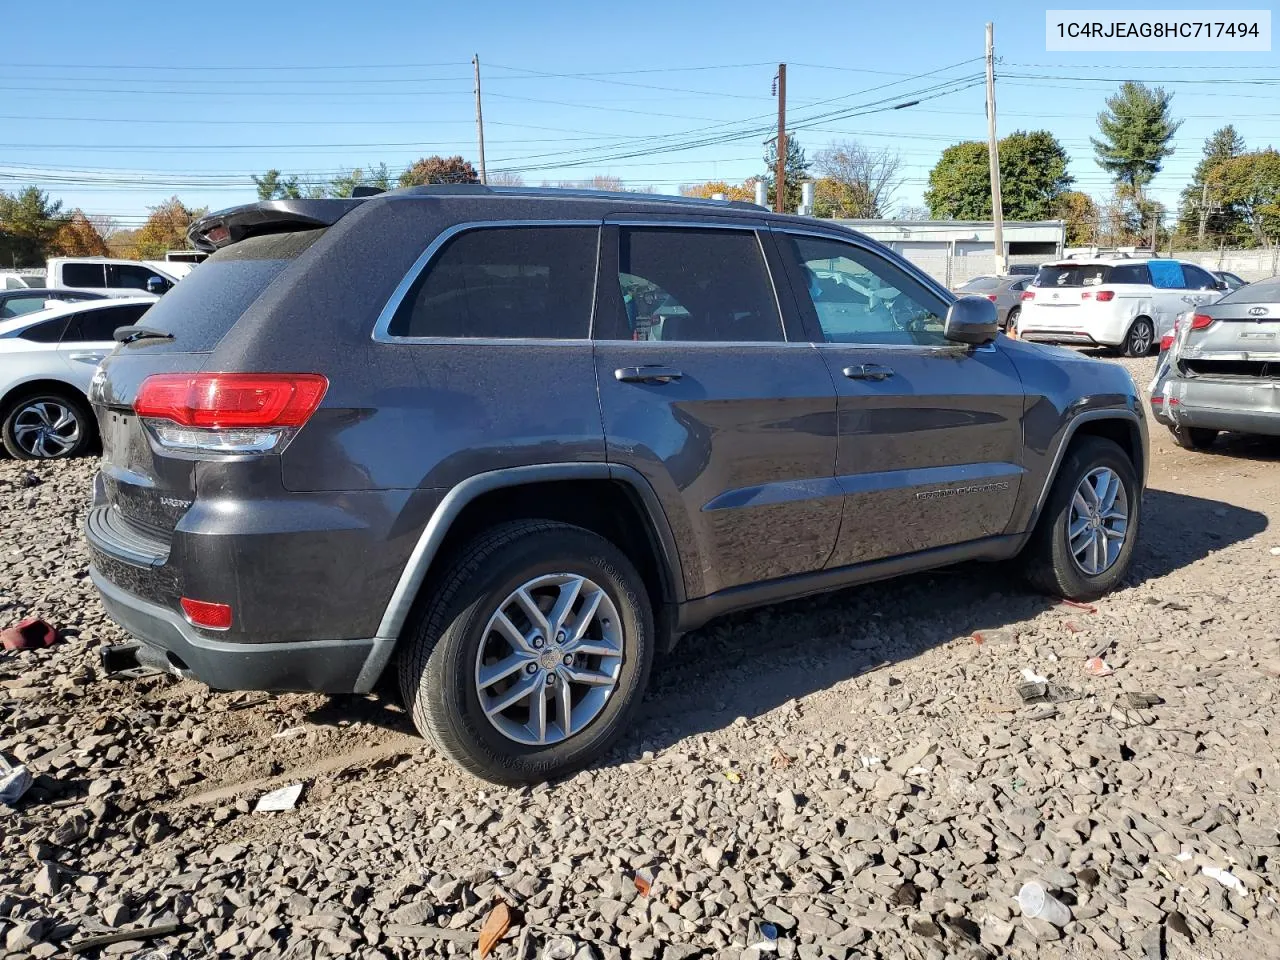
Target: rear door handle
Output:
{"points": [[87, 356], [868, 371], [647, 374]]}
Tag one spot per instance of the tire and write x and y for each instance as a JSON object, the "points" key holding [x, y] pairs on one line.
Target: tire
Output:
{"points": [[441, 659], [47, 426], [1048, 559], [1139, 339], [1011, 322], [1194, 438]]}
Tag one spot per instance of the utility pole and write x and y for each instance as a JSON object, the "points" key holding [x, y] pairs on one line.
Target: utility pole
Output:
{"points": [[1204, 213], [993, 151], [1155, 233], [780, 167], [479, 119]]}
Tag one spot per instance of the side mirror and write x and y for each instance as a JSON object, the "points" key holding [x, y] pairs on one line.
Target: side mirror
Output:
{"points": [[971, 320], [1222, 285], [156, 285]]}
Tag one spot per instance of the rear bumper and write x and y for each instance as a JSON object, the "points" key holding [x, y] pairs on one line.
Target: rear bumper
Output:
{"points": [[1058, 336], [322, 666], [1243, 406]]}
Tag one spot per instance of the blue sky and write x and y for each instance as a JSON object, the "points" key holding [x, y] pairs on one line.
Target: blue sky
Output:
{"points": [[114, 111]]}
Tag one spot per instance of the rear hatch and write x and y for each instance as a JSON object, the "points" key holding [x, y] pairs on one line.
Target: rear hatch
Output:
{"points": [[1237, 338], [144, 489], [1059, 290]]}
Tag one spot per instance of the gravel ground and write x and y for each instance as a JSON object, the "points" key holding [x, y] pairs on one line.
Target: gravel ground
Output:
{"points": [[858, 771]]}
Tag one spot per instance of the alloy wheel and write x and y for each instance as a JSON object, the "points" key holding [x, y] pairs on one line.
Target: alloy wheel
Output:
{"points": [[46, 429], [1098, 521]]}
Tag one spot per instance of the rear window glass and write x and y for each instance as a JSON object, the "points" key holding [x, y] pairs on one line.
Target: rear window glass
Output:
{"points": [[206, 304], [1071, 275], [1129, 273], [84, 274], [1264, 291], [982, 283]]}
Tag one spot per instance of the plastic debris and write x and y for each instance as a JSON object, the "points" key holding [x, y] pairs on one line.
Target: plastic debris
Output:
{"points": [[1038, 903], [733, 776], [869, 762], [1143, 701], [1033, 691], [644, 881], [1031, 676], [1097, 667], [780, 760], [495, 926], [286, 798], [1076, 604], [15, 780], [30, 634], [1226, 878], [287, 734], [1275, 551], [558, 948], [768, 941]]}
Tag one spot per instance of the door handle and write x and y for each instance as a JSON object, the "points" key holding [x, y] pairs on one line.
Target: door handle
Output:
{"points": [[647, 374], [868, 371], [87, 357]]}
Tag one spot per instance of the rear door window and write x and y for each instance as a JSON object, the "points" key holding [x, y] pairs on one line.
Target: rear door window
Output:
{"points": [[50, 331], [1071, 275], [1166, 274], [1197, 279], [84, 274], [504, 283], [1126, 273]]}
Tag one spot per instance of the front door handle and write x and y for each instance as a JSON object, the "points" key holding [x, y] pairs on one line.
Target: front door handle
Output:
{"points": [[868, 371], [647, 374]]}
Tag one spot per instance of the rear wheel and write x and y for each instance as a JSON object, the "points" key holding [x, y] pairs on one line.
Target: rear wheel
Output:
{"points": [[46, 426], [1138, 341], [533, 655], [1011, 323], [1194, 438], [1083, 543]]}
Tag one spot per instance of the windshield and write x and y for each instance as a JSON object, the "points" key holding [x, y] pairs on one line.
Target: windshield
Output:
{"points": [[1071, 275]]}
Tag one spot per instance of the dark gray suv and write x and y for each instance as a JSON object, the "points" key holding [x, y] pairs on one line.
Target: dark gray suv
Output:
{"points": [[508, 443]]}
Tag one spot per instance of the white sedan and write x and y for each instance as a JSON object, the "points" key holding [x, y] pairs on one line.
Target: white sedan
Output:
{"points": [[47, 359]]}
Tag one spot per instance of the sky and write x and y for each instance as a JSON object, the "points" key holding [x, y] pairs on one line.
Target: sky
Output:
{"points": [[120, 106]]}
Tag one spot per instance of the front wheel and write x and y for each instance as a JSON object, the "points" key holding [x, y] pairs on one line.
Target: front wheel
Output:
{"points": [[1083, 543], [1194, 438], [533, 655], [1138, 341], [46, 426]]}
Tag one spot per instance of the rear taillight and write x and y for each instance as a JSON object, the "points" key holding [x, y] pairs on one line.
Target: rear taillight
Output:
{"points": [[992, 297], [1105, 296], [1028, 294], [228, 412], [1168, 339], [202, 613], [1200, 321], [1086, 295]]}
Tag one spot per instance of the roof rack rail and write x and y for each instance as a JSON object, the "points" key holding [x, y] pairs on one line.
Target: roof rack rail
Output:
{"points": [[586, 193]]}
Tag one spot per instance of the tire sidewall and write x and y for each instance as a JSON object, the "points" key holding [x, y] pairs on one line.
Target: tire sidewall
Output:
{"points": [[1129, 346], [77, 407], [1088, 456], [448, 681], [1011, 322]]}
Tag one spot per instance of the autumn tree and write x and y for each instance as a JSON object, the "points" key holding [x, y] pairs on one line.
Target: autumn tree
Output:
{"points": [[505, 178], [29, 221], [1201, 213], [78, 237], [439, 170], [795, 168], [743, 191], [856, 182], [1250, 184], [1033, 175], [165, 229], [1080, 215]]}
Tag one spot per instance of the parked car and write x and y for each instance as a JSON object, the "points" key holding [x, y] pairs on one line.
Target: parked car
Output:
{"points": [[1023, 269], [1004, 292], [426, 432], [19, 281], [1112, 302], [1220, 369], [15, 303], [47, 359], [1232, 282], [116, 278]]}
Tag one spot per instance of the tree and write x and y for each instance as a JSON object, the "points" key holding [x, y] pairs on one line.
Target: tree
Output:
{"points": [[273, 185], [505, 178], [77, 237], [1251, 184], [1033, 175], [913, 212], [796, 169], [744, 191], [1136, 129], [1201, 212], [29, 221], [856, 182], [344, 184], [165, 229], [1081, 216], [439, 170]]}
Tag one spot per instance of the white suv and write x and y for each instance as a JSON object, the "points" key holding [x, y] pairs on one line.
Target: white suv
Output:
{"points": [[1109, 302]]}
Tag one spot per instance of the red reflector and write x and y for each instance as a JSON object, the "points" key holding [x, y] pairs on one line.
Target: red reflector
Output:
{"points": [[1166, 341], [1157, 401], [1200, 321], [211, 616], [231, 400], [1028, 294], [1106, 295]]}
